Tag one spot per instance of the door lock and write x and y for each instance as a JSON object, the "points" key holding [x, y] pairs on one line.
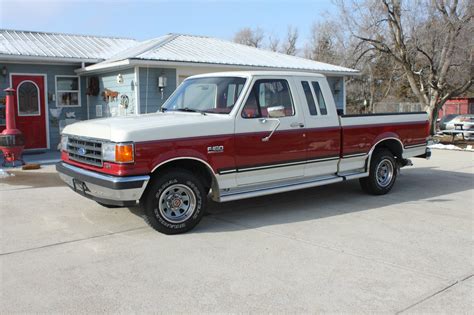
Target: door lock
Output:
{"points": [[297, 124]]}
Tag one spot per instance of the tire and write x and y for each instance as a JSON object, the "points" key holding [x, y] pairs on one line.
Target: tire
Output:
{"points": [[383, 173], [175, 202]]}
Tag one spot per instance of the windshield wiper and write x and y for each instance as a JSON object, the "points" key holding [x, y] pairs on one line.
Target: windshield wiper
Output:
{"points": [[190, 110]]}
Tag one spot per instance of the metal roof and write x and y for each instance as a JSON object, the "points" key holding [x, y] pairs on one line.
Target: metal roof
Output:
{"points": [[207, 50], [57, 46], [177, 48]]}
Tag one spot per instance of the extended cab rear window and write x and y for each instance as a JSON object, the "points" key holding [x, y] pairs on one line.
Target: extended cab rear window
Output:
{"points": [[309, 98], [269, 98], [320, 98]]}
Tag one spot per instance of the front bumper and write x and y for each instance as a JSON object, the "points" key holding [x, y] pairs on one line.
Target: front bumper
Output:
{"points": [[107, 189]]}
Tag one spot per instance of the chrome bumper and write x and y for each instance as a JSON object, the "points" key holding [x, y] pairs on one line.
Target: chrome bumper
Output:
{"points": [[112, 190]]}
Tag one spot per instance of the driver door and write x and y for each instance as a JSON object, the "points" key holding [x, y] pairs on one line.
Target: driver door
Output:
{"points": [[270, 143]]}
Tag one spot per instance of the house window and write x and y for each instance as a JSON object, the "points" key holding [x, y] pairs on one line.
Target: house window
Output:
{"points": [[28, 99], [67, 91], [3, 115]]}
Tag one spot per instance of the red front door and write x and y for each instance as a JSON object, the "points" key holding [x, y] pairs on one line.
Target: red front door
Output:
{"points": [[268, 148], [30, 111]]}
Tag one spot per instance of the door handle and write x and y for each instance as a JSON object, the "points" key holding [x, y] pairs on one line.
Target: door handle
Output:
{"points": [[296, 125], [264, 121]]}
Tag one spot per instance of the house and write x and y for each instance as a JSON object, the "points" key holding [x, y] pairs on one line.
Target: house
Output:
{"points": [[63, 78], [457, 105]]}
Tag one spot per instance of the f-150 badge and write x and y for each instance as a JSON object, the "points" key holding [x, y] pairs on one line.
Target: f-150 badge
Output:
{"points": [[215, 149]]}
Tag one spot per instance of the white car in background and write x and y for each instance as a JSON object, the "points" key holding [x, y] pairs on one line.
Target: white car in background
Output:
{"points": [[460, 122]]}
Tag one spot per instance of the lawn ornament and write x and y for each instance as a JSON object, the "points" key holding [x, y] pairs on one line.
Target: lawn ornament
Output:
{"points": [[109, 95], [12, 142]]}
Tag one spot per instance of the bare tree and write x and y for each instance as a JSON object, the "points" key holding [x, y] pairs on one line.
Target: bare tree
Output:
{"points": [[273, 43], [250, 37], [431, 42], [322, 44], [289, 46]]}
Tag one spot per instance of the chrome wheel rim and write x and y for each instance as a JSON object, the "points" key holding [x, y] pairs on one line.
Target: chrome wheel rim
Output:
{"points": [[384, 173], [177, 203]]}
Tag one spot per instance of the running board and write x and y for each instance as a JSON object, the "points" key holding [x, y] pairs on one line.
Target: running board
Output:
{"points": [[349, 176], [237, 194], [273, 188]]}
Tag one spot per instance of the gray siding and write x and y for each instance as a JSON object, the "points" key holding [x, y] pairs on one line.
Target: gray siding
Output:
{"points": [[150, 96], [51, 71], [148, 91], [112, 108]]}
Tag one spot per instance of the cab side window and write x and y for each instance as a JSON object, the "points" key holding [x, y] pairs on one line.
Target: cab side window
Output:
{"points": [[309, 98], [269, 98], [320, 98]]}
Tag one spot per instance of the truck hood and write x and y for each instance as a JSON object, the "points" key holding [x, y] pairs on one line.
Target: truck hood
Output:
{"points": [[150, 127]]}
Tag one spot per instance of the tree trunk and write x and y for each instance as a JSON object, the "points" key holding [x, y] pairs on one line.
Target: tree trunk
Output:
{"points": [[433, 118], [433, 113]]}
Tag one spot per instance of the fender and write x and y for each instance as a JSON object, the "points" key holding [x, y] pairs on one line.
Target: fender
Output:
{"points": [[209, 168], [385, 136], [215, 182], [180, 154], [390, 136]]}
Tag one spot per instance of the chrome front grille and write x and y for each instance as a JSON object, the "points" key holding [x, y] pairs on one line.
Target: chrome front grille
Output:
{"points": [[85, 150]]}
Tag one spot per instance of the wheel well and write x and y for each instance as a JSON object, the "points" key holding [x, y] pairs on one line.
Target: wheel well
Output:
{"points": [[196, 167], [393, 146]]}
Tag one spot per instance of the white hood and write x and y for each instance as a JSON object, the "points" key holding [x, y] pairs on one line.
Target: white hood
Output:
{"points": [[150, 127]]}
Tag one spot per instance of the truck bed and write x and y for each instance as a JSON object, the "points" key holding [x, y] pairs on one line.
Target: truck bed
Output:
{"points": [[361, 132]]}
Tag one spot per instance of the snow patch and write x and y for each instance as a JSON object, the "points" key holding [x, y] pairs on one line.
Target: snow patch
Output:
{"points": [[450, 147], [5, 174]]}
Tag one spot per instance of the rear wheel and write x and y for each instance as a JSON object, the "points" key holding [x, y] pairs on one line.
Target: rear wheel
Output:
{"points": [[382, 173], [175, 202]]}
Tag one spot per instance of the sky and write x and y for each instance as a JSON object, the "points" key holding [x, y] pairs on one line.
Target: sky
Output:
{"points": [[143, 19]]}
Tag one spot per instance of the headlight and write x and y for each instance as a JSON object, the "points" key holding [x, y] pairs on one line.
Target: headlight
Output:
{"points": [[118, 152], [63, 143], [108, 151]]}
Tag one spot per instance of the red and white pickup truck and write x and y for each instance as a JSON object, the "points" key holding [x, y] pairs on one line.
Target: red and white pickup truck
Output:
{"points": [[235, 135]]}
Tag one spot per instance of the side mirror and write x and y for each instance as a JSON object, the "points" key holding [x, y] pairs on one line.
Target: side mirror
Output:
{"points": [[276, 111]]}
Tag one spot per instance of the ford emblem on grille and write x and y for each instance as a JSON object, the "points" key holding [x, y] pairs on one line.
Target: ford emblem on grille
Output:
{"points": [[81, 151]]}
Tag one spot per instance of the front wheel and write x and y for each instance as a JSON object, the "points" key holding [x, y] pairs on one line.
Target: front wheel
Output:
{"points": [[382, 173], [175, 202]]}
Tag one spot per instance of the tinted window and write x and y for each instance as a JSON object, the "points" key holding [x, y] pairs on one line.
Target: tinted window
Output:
{"points": [[319, 97], [309, 98], [269, 96]]}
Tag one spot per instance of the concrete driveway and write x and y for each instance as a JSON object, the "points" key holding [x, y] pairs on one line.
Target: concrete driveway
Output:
{"points": [[326, 249]]}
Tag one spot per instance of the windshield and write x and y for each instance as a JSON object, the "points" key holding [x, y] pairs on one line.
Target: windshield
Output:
{"points": [[209, 95]]}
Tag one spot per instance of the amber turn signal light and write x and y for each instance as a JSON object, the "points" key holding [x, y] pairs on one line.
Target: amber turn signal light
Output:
{"points": [[124, 153]]}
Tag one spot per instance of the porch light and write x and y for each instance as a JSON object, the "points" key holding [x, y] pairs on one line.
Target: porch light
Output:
{"points": [[4, 71], [162, 83]]}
